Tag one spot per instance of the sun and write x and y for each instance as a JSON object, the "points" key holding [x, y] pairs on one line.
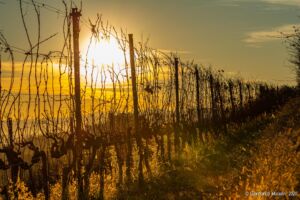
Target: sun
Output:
{"points": [[105, 52]]}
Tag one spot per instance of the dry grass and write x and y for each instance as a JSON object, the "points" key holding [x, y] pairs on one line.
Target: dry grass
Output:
{"points": [[258, 158]]}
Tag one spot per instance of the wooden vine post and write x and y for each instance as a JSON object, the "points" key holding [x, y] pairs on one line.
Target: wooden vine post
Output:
{"points": [[213, 102], [135, 110], [241, 94], [75, 14], [177, 111], [232, 101], [198, 95]]}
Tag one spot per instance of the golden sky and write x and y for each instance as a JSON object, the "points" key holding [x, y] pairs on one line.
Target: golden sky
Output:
{"points": [[239, 36]]}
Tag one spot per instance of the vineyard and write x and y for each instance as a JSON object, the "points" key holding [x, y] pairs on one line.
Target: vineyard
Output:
{"points": [[74, 128]]}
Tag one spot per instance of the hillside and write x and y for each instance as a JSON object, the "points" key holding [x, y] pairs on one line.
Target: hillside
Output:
{"points": [[258, 160]]}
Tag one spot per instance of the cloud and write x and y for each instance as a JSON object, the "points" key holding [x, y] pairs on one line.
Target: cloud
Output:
{"points": [[226, 3], [174, 51], [256, 38], [283, 2]]}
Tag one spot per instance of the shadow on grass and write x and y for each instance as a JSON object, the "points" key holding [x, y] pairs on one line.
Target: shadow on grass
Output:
{"points": [[218, 163]]}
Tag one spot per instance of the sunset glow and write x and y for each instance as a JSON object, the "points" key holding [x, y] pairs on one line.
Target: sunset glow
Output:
{"points": [[105, 52]]}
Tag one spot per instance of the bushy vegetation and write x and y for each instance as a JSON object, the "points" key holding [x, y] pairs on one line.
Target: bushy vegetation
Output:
{"points": [[293, 41]]}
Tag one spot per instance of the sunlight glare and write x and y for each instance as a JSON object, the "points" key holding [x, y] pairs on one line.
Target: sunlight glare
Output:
{"points": [[106, 52], [103, 54]]}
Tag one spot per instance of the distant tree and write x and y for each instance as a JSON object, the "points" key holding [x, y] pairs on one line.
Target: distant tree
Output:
{"points": [[293, 41]]}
